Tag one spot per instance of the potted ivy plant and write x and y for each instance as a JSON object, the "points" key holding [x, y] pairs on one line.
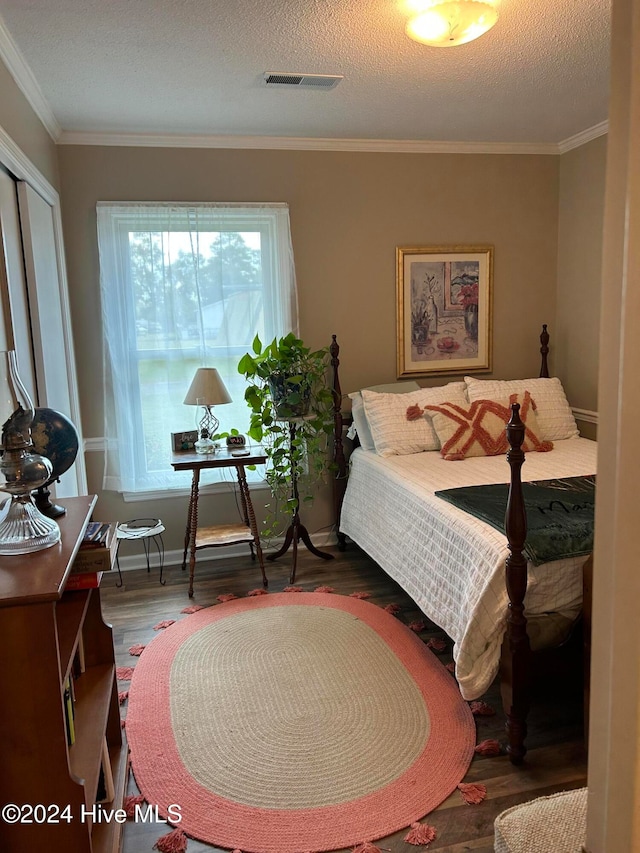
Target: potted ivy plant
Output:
{"points": [[292, 417]]}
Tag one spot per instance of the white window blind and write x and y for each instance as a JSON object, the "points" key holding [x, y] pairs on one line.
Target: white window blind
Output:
{"points": [[183, 286]]}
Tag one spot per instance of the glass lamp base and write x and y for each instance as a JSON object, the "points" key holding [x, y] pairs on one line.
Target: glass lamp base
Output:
{"points": [[24, 529]]}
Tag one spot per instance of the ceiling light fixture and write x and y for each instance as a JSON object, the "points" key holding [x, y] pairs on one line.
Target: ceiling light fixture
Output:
{"points": [[446, 23]]}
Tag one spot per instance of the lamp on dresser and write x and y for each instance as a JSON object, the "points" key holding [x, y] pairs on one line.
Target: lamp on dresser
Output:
{"points": [[23, 528]]}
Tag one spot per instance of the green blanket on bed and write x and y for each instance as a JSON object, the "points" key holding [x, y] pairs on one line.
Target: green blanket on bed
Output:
{"points": [[559, 514]]}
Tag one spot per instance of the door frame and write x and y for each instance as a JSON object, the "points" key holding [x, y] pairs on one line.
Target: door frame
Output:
{"points": [[16, 162]]}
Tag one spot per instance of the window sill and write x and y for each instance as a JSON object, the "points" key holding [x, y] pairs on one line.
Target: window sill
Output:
{"points": [[208, 489]]}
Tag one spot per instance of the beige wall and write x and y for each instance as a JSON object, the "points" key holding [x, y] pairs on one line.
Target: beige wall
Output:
{"points": [[349, 211], [20, 122], [581, 211]]}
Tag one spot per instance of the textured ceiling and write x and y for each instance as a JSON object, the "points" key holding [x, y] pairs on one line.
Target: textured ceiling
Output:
{"points": [[195, 67]]}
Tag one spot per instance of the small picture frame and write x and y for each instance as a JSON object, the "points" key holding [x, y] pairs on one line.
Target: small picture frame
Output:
{"points": [[184, 441]]}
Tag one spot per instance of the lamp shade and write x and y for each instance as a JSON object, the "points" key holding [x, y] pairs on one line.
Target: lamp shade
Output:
{"points": [[446, 23], [207, 389]]}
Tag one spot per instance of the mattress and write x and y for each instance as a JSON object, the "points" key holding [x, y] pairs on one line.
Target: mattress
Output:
{"points": [[450, 563]]}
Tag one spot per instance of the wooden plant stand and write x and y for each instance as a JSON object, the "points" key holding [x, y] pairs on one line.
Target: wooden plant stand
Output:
{"points": [[296, 532]]}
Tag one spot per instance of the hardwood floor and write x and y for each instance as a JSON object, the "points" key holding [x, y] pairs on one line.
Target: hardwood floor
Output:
{"points": [[556, 759]]}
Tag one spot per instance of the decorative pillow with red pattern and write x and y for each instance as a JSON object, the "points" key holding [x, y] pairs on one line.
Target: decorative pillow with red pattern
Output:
{"points": [[478, 429]]}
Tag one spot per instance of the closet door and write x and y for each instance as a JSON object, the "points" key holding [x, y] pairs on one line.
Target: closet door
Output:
{"points": [[17, 325], [49, 318], [40, 323], [45, 307]]}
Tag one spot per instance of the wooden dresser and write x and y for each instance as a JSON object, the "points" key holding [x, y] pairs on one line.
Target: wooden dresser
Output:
{"points": [[46, 634]]}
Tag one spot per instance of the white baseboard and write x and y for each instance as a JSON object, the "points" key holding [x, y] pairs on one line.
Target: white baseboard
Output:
{"points": [[131, 562], [585, 415]]}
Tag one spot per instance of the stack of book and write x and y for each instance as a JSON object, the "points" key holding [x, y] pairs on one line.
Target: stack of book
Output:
{"points": [[97, 554]]}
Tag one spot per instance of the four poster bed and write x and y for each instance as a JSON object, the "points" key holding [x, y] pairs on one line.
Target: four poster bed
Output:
{"points": [[421, 458]]}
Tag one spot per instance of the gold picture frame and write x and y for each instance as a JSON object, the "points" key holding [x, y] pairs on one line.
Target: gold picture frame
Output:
{"points": [[444, 307]]}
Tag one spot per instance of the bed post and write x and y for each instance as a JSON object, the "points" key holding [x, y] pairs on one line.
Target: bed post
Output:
{"points": [[516, 652], [544, 352], [338, 459]]}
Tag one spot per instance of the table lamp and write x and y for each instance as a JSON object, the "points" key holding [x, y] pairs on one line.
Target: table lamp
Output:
{"points": [[206, 390], [23, 528]]}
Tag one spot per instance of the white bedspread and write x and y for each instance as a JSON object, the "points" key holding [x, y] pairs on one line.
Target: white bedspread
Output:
{"points": [[450, 563]]}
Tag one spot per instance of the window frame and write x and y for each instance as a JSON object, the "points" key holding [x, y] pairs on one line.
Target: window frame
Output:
{"points": [[277, 267]]}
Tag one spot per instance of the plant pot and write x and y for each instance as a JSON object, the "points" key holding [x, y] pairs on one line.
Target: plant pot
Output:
{"points": [[291, 399]]}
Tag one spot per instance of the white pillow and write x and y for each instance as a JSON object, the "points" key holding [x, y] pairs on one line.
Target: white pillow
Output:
{"points": [[393, 434], [555, 418], [358, 413]]}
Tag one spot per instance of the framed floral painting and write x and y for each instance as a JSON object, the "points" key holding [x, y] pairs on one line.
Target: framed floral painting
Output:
{"points": [[444, 309]]}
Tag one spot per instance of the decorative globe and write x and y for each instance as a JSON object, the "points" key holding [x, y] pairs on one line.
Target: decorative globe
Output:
{"points": [[55, 437]]}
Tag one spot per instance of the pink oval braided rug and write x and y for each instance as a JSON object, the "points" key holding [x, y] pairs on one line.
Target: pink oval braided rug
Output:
{"points": [[287, 723]]}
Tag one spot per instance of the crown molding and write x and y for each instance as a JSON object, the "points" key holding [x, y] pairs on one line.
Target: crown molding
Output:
{"points": [[19, 69], [290, 143], [23, 169], [17, 66], [301, 143], [583, 137]]}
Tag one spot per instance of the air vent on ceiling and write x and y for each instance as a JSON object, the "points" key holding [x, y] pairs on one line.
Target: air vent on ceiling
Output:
{"points": [[307, 81]]}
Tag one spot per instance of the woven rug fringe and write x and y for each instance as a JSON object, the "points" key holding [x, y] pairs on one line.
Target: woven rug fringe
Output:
{"points": [[488, 747], [472, 793], [129, 804], [481, 709], [173, 842], [124, 673], [420, 834]]}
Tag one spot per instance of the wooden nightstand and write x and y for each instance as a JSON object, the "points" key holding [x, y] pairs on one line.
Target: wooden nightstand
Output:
{"points": [[221, 534]]}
